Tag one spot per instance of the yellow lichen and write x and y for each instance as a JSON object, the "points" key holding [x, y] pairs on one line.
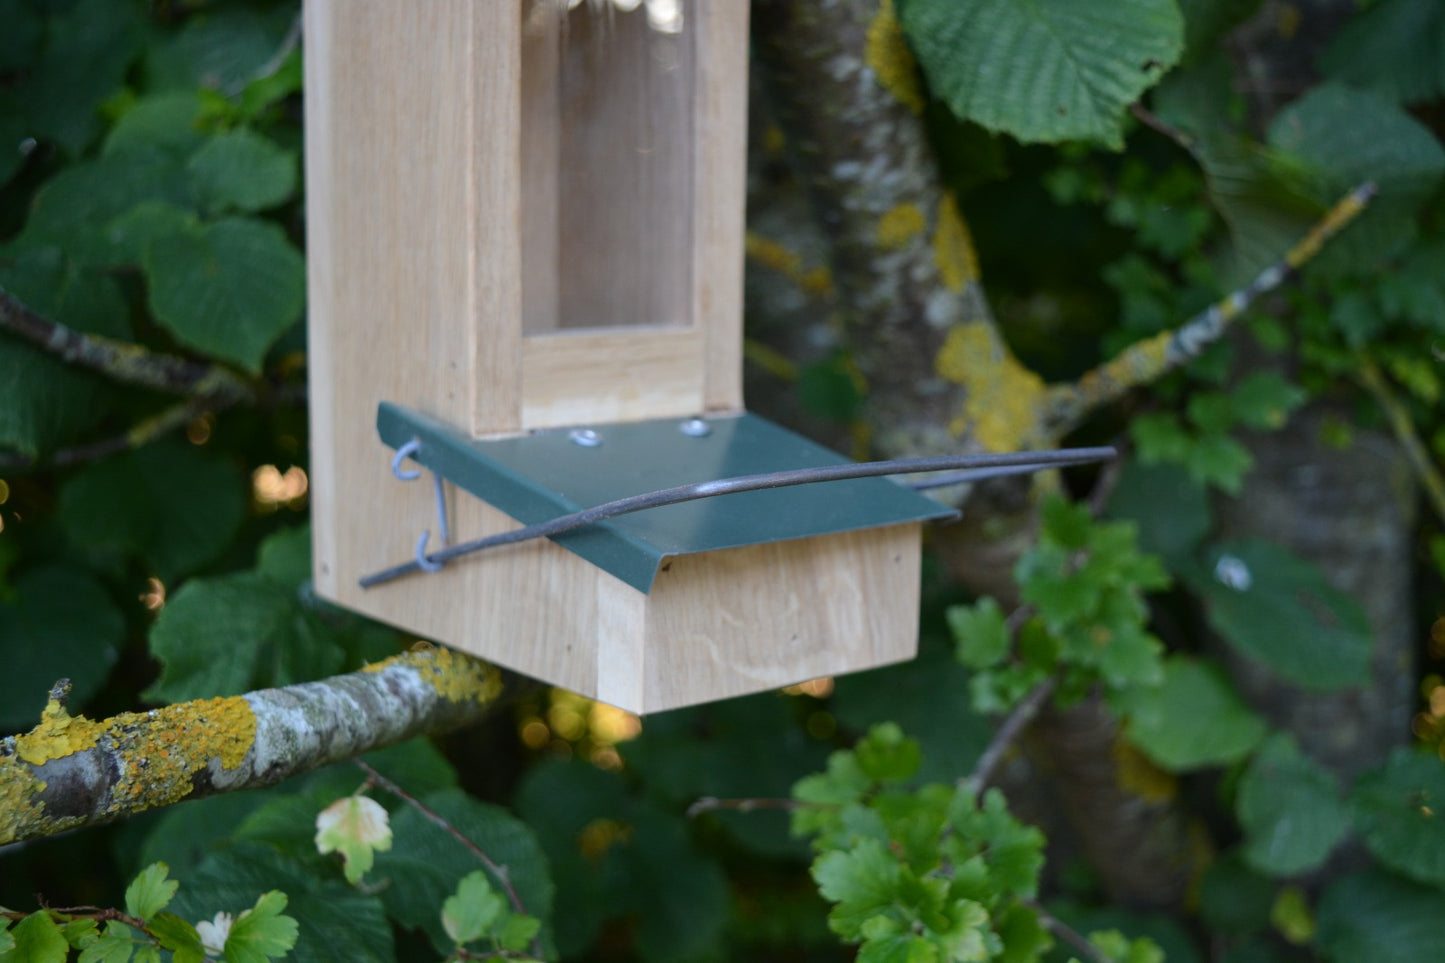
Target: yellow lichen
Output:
{"points": [[1136, 774], [777, 257], [899, 226], [1139, 364], [892, 62], [59, 734], [459, 677], [1004, 398], [953, 250], [18, 811]]}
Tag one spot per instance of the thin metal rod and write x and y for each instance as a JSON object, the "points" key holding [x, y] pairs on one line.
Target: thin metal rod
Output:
{"points": [[978, 466]]}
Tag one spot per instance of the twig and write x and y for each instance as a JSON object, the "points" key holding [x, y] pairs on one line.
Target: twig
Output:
{"points": [[1153, 121], [437, 819], [121, 361], [1012, 727], [1428, 474], [1146, 361], [1067, 933], [708, 804], [142, 433]]}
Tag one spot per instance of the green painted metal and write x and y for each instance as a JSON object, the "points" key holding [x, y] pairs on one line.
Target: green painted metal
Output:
{"points": [[542, 475]]}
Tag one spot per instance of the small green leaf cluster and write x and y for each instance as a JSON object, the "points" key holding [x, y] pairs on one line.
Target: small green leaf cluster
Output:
{"points": [[928, 873], [145, 930], [1084, 583], [477, 913], [1201, 439]]}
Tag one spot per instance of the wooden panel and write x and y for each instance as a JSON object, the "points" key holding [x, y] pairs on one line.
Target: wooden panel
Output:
{"points": [[572, 379], [541, 151], [749, 619], [719, 192], [407, 244]]}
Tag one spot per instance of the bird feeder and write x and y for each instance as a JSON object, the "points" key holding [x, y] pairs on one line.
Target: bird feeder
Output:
{"points": [[525, 233]]}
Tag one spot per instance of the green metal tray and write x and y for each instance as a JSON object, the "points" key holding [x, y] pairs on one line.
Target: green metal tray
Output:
{"points": [[542, 475]]}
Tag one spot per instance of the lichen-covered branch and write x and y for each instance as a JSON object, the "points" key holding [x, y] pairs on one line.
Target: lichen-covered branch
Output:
{"points": [[121, 361], [70, 771], [1149, 360], [843, 86], [138, 435]]}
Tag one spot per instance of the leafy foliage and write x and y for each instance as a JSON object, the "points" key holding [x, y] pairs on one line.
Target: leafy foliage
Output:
{"points": [[154, 201], [1087, 63]]}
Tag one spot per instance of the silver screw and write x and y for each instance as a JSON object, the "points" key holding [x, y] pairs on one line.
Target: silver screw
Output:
{"points": [[696, 428], [585, 437]]}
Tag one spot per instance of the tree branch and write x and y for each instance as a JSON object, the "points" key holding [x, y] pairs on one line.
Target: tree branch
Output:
{"points": [[1147, 361], [122, 361], [70, 771], [845, 91], [142, 433]]}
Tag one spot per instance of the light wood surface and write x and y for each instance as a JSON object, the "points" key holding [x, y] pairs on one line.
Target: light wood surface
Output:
{"points": [[465, 260]]}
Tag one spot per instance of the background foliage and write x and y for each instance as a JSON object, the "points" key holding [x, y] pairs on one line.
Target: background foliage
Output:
{"points": [[154, 546]]}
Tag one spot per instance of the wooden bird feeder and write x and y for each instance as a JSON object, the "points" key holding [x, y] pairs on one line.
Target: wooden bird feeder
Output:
{"points": [[525, 232]]}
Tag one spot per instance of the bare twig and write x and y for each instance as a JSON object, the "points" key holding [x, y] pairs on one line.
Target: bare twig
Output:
{"points": [[1154, 122], [1146, 361], [143, 433], [1067, 933], [1012, 728], [1425, 470], [708, 804], [437, 819]]}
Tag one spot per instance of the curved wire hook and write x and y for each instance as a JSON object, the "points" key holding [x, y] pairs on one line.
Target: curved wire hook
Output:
{"points": [[424, 563], [409, 450], [402, 454]]}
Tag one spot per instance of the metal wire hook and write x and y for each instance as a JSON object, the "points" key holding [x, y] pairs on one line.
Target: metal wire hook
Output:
{"points": [[410, 450]]}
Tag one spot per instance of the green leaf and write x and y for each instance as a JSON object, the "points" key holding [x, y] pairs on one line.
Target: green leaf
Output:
{"points": [[1344, 137], [865, 882], [87, 53], [178, 936], [886, 755], [357, 827], [70, 629], [1088, 62], [170, 504], [1264, 399], [150, 891], [1234, 899], [1279, 610], [1381, 918], [1400, 810], [217, 48], [471, 911], [36, 940], [1290, 809], [1193, 719], [285, 556], [980, 632], [242, 170], [335, 921], [164, 121], [214, 633], [230, 289], [73, 208], [1395, 49], [1170, 509], [262, 932], [116, 944]]}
